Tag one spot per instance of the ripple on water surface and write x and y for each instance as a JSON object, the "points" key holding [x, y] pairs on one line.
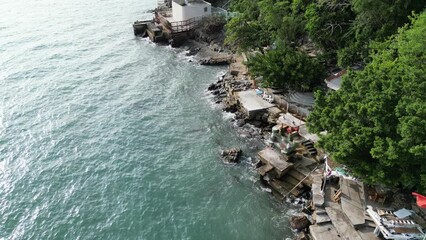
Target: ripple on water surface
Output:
{"points": [[106, 136]]}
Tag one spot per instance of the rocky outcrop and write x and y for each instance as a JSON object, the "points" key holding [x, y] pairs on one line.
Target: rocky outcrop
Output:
{"points": [[231, 155], [302, 236], [223, 91], [217, 60], [192, 51], [299, 222]]}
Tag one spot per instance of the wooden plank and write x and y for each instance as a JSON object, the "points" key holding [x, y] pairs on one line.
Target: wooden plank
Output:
{"points": [[270, 156], [324, 231], [353, 201], [342, 224]]}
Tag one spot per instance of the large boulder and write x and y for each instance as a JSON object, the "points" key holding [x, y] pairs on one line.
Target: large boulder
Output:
{"points": [[231, 155], [217, 60], [213, 87], [299, 222]]}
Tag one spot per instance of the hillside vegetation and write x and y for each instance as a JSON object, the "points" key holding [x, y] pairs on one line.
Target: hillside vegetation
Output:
{"points": [[337, 32], [376, 122]]}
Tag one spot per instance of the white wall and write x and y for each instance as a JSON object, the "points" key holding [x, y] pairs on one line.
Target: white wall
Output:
{"points": [[182, 13]]}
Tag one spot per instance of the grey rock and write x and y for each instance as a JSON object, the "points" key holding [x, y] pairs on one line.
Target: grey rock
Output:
{"points": [[231, 155], [240, 122], [213, 87], [257, 123], [299, 222]]}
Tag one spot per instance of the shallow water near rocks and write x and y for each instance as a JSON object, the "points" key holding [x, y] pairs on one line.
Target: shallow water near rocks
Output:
{"points": [[107, 136]]}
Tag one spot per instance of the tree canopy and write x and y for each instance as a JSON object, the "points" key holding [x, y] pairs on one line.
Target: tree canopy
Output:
{"points": [[286, 68], [376, 122], [342, 29]]}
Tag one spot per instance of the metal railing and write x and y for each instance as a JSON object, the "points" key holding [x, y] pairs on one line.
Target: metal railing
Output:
{"points": [[189, 24], [185, 26], [177, 26]]}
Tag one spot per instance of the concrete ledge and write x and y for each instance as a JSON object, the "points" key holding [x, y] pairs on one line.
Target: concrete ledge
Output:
{"points": [[252, 103]]}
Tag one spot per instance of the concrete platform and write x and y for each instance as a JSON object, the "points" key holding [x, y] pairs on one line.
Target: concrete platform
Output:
{"points": [[270, 157], [264, 169], [317, 194], [320, 216], [303, 131], [341, 224], [252, 103], [353, 201], [324, 232]]}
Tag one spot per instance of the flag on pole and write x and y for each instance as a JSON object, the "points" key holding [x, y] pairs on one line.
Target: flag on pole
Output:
{"points": [[421, 200]]}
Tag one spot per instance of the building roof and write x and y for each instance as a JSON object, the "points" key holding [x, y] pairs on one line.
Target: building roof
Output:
{"points": [[191, 2]]}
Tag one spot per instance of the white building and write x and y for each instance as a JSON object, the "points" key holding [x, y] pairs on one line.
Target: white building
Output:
{"points": [[186, 9]]}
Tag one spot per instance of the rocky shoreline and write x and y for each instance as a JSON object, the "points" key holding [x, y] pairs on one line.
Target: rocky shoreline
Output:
{"points": [[258, 129], [319, 199], [289, 164], [235, 79], [261, 130]]}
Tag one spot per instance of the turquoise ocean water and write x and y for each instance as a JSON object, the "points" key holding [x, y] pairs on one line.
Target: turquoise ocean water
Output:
{"points": [[107, 136]]}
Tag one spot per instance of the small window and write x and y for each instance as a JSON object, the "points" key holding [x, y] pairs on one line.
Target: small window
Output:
{"points": [[205, 9]]}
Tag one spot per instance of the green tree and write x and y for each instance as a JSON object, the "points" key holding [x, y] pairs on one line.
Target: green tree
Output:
{"points": [[329, 23], [245, 34], [375, 21], [376, 121], [261, 23], [286, 68], [283, 19]]}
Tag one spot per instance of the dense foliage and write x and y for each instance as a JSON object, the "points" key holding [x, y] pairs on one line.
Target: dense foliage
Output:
{"points": [[341, 29], [284, 68], [376, 122]]}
